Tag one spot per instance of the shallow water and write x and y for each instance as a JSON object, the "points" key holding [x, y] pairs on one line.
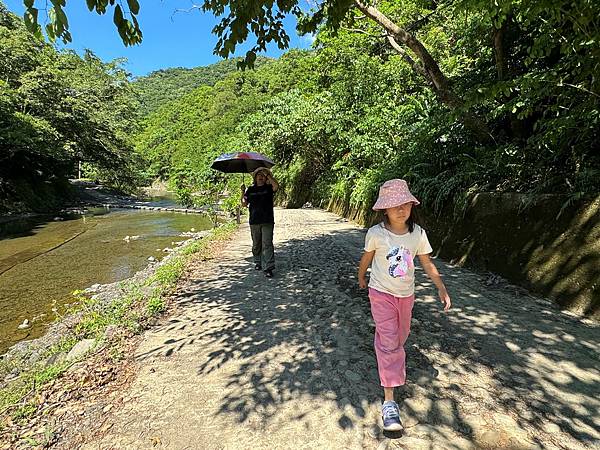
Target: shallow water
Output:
{"points": [[43, 261]]}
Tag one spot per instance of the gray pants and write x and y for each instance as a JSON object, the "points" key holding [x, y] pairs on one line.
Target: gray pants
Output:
{"points": [[262, 245]]}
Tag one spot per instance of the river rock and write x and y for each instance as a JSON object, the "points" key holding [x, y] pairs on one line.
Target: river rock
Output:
{"points": [[151, 258], [24, 325], [94, 288], [80, 349], [57, 358]]}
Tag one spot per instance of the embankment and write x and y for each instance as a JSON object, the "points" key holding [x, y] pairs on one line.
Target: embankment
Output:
{"points": [[550, 245]]}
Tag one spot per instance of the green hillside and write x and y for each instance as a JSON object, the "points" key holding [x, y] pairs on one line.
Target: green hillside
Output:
{"points": [[164, 86]]}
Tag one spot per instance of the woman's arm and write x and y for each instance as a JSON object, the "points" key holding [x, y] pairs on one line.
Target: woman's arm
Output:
{"points": [[244, 200], [273, 182], [433, 273], [363, 265]]}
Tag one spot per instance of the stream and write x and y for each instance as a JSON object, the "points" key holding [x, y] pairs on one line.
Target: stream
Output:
{"points": [[44, 259]]}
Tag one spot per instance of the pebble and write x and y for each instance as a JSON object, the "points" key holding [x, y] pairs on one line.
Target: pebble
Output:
{"points": [[24, 325], [81, 348], [352, 376], [551, 427], [491, 438]]}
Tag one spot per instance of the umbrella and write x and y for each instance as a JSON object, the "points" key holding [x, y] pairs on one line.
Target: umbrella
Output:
{"points": [[241, 162]]}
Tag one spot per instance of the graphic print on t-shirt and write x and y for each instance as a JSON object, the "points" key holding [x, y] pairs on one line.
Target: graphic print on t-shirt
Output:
{"points": [[400, 261]]}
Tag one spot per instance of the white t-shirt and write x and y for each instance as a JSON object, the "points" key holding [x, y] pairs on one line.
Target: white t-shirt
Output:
{"points": [[393, 268]]}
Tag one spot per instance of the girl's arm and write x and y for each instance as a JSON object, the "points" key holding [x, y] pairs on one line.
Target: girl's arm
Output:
{"points": [[433, 273], [363, 265]]}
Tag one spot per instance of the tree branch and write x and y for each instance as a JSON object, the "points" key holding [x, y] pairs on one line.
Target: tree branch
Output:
{"points": [[358, 30], [439, 80], [439, 83], [416, 66]]}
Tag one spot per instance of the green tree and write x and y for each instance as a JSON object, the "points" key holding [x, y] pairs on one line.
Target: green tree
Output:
{"points": [[57, 108]]}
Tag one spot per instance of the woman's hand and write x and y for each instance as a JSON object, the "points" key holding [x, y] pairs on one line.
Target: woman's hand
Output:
{"points": [[273, 182], [445, 298]]}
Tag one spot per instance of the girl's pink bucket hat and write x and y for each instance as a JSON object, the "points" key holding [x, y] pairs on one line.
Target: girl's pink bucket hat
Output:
{"points": [[394, 193]]}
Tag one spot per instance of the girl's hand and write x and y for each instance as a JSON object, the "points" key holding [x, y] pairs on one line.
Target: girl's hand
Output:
{"points": [[445, 298], [362, 283]]}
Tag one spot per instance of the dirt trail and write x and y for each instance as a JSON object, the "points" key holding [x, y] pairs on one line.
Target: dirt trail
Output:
{"points": [[247, 362]]}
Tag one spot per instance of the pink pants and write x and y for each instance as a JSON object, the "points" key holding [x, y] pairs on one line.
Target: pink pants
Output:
{"points": [[392, 326]]}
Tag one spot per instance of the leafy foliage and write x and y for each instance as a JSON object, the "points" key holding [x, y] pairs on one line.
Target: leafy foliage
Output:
{"points": [[182, 138], [352, 113], [57, 108], [359, 109], [164, 86]]}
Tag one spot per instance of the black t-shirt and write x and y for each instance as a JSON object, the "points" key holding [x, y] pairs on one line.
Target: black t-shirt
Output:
{"points": [[260, 203]]}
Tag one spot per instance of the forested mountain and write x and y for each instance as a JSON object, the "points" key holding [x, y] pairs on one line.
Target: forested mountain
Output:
{"points": [[181, 139], [163, 86]]}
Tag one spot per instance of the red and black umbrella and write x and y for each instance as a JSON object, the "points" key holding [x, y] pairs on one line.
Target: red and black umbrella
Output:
{"points": [[241, 162]]}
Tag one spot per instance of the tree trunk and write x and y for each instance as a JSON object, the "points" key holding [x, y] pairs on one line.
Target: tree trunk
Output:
{"points": [[518, 127], [499, 52]]}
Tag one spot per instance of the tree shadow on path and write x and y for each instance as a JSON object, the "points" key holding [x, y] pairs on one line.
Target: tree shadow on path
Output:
{"points": [[308, 332]]}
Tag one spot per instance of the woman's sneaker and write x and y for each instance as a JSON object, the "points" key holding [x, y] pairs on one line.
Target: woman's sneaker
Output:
{"points": [[391, 416]]}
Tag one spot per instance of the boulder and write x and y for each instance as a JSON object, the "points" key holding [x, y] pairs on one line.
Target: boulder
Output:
{"points": [[80, 349]]}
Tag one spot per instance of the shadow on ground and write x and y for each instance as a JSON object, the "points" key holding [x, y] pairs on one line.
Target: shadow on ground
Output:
{"points": [[543, 365]]}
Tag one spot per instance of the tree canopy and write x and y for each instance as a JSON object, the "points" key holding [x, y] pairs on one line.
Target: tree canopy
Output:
{"points": [[166, 85], [457, 97], [361, 112], [57, 108]]}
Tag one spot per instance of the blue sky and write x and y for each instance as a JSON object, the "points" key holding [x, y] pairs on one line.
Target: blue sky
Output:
{"points": [[171, 39]]}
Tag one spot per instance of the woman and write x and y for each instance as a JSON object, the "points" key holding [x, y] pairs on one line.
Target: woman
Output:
{"points": [[259, 199]]}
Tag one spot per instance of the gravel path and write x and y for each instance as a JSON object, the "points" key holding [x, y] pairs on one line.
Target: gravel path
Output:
{"points": [[247, 362]]}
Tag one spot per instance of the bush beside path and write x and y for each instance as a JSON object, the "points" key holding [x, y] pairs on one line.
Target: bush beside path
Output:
{"points": [[248, 362]]}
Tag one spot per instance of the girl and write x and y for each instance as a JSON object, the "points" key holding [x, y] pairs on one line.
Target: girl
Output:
{"points": [[391, 247]]}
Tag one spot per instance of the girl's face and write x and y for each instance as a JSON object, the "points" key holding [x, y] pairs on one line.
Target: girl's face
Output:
{"points": [[399, 214]]}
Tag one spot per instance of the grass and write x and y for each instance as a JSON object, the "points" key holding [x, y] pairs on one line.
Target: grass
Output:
{"points": [[131, 312]]}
